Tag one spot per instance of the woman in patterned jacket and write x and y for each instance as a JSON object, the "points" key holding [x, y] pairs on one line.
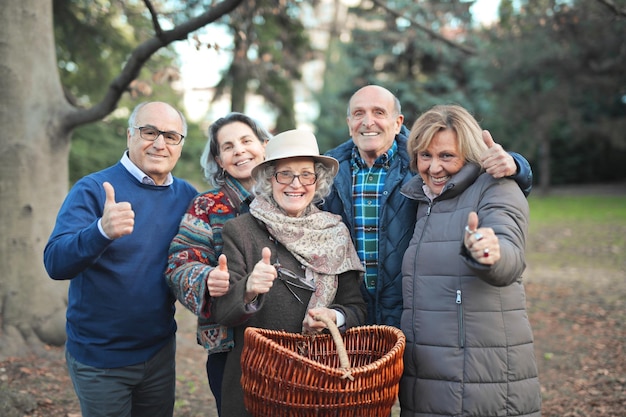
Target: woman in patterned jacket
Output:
{"points": [[236, 144]]}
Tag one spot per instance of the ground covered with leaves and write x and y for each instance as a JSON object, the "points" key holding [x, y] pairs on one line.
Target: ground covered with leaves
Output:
{"points": [[576, 302]]}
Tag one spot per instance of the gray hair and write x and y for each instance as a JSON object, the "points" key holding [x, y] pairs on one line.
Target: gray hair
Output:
{"points": [[213, 173], [132, 119], [264, 175]]}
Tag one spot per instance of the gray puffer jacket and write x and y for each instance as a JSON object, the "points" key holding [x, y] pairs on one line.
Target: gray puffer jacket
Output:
{"points": [[469, 342]]}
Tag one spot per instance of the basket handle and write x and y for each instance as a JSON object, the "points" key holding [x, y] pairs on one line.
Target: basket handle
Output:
{"points": [[344, 361]]}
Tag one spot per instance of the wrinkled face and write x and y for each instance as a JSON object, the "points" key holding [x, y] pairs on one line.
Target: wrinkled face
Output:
{"points": [[373, 122], [440, 161], [294, 198], [239, 151], [156, 159]]}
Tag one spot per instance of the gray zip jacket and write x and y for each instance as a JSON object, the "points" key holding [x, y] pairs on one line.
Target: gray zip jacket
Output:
{"points": [[469, 342]]}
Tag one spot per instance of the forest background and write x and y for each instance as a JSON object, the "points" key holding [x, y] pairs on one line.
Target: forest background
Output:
{"points": [[547, 78]]}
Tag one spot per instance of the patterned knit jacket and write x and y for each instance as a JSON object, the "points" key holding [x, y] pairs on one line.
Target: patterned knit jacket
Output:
{"points": [[194, 252]]}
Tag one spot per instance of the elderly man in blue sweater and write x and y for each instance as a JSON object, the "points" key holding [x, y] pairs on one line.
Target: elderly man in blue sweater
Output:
{"points": [[110, 240]]}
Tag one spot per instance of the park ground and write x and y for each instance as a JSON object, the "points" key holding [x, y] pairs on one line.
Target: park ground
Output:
{"points": [[576, 297]]}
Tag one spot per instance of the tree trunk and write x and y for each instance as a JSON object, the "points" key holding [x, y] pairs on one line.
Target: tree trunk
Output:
{"points": [[33, 176]]}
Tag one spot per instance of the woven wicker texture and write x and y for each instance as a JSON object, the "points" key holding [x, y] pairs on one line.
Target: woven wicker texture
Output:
{"points": [[295, 375]]}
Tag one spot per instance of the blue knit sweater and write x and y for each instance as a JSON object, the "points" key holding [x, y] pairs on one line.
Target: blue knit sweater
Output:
{"points": [[120, 311]]}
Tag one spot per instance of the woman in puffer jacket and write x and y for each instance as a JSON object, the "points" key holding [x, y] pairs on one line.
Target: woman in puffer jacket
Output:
{"points": [[469, 342]]}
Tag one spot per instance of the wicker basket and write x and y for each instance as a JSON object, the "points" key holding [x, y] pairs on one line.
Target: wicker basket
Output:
{"points": [[293, 375]]}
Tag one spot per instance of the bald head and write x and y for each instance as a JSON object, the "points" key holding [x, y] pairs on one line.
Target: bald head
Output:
{"points": [[374, 120], [377, 91]]}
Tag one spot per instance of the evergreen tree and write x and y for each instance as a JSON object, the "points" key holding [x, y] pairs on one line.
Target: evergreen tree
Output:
{"points": [[270, 45], [558, 88]]}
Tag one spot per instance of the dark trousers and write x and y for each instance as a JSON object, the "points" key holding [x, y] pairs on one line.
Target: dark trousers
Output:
{"points": [[143, 390], [215, 365]]}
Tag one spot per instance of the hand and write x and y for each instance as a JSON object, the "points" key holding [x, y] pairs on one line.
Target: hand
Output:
{"points": [[310, 325], [218, 279], [482, 244], [495, 160], [118, 219], [262, 277]]}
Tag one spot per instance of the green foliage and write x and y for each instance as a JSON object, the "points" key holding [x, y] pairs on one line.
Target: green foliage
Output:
{"points": [[96, 146], [331, 128], [270, 45], [94, 39], [188, 166], [557, 75], [548, 81]]}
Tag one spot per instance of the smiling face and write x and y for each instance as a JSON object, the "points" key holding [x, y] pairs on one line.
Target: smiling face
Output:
{"points": [[156, 159], [374, 121], [294, 198], [440, 161], [239, 151]]}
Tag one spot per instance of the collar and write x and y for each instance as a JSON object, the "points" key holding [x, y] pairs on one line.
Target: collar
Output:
{"points": [[383, 161], [236, 192]]}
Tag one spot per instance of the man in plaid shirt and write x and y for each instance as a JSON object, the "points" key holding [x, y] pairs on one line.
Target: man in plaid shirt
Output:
{"points": [[373, 167]]}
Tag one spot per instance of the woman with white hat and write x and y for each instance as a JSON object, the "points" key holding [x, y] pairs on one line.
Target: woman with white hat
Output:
{"points": [[288, 261]]}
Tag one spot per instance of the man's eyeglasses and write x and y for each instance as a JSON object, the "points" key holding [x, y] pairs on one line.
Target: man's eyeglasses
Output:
{"points": [[290, 278], [151, 134], [286, 177]]}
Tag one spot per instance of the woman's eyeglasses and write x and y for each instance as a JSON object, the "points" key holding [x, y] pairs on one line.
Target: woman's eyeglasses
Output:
{"points": [[287, 177], [292, 279]]}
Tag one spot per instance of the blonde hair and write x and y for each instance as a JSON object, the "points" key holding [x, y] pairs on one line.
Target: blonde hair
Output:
{"points": [[447, 117]]}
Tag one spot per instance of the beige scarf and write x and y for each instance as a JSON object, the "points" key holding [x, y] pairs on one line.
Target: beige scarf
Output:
{"points": [[318, 240]]}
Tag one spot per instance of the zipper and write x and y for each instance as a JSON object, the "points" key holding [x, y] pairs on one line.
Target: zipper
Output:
{"points": [[459, 304]]}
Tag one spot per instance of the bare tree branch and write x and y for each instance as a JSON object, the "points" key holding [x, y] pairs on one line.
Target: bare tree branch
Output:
{"points": [[613, 7], [431, 33], [140, 56], [155, 18]]}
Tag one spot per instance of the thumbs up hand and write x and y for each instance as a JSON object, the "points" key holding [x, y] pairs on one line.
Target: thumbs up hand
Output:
{"points": [[495, 160], [217, 281], [118, 219], [482, 243], [262, 277]]}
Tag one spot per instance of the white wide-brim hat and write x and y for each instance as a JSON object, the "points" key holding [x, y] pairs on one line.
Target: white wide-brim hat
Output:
{"points": [[295, 143]]}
